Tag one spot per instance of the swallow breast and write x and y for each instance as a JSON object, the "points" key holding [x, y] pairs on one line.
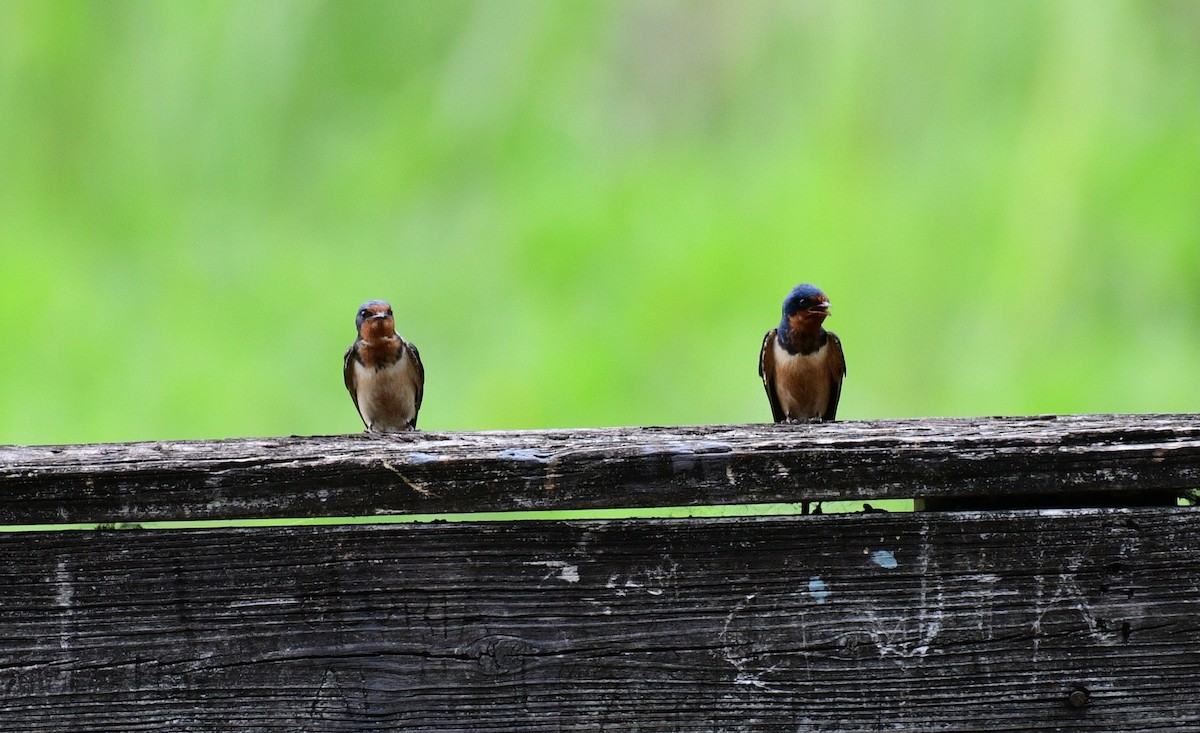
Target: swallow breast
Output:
{"points": [[387, 395], [802, 382]]}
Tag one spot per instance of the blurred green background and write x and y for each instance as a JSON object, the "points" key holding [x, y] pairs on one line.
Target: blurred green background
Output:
{"points": [[588, 213]]}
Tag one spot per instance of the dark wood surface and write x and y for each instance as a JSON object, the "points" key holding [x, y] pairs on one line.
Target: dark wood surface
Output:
{"points": [[582, 469], [917, 622]]}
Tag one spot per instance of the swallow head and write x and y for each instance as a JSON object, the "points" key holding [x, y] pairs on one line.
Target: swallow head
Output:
{"points": [[805, 308], [375, 320]]}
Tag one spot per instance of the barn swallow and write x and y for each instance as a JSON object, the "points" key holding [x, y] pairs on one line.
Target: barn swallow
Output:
{"points": [[801, 364], [383, 372]]}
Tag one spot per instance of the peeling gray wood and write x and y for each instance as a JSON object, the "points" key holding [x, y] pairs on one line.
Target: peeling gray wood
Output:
{"points": [[585, 469], [916, 622]]}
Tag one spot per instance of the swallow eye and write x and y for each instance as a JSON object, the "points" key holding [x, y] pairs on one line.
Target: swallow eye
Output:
{"points": [[363, 313], [389, 311]]}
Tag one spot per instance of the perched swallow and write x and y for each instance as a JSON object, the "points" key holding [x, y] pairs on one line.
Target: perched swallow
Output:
{"points": [[801, 364], [383, 372]]}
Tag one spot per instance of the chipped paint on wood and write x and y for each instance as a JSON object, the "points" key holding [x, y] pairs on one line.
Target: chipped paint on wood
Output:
{"points": [[884, 558]]}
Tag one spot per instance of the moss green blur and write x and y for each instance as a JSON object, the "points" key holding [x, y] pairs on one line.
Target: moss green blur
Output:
{"points": [[588, 213], [732, 510]]}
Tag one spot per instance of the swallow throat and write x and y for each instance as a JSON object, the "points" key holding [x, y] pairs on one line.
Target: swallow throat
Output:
{"points": [[802, 341], [378, 329]]}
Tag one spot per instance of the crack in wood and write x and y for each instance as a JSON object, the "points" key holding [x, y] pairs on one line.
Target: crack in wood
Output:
{"points": [[411, 484]]}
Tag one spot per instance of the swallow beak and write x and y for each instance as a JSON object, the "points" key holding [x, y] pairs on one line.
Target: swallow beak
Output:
{"points": [[379, 316], [821, 309]]}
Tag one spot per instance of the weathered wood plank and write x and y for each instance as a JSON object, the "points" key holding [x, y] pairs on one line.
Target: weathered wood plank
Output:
{"points": [[583, 469], [918, 622]]}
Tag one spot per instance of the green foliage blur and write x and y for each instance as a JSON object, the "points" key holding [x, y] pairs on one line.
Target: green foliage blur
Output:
{"points": [[588, 213]]}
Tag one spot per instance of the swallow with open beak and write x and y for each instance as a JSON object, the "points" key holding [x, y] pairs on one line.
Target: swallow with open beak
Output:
{"points": [[383, 372], [801, 364]]}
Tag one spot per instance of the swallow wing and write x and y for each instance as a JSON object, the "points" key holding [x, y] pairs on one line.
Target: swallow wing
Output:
{"points": [[415, 356], [837, 371], [766, 370], [351, 377]]}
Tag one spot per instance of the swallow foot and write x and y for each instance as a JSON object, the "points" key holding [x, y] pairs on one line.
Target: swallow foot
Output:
{"points": [[803, 421]]}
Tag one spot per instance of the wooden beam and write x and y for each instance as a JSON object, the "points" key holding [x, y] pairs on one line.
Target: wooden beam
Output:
{"points": [[365, 475], [1080, 620]]}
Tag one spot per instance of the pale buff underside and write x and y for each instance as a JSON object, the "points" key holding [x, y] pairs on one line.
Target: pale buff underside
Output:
{"points": [[387, 398], [813, 370]]}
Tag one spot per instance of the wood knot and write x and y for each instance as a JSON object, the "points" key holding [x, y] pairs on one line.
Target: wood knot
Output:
{"points": [[499, 654]]}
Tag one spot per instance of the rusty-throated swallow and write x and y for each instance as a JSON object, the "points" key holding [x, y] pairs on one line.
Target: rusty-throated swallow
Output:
{"points": [[383, 372], [801, 364]]}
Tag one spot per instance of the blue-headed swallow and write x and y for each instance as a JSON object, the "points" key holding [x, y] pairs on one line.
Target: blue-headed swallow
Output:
{"points": [[383, 372], [801, 364]]}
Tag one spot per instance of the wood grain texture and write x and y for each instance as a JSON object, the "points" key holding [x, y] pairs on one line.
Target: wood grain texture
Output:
{"points": [[916, 622], [367, 475]]}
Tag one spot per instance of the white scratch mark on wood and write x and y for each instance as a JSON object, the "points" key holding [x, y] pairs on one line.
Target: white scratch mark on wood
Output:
{"points": [[264, 602], [64, 595], [983, 578], [738, 651], [65, 589], [653, 580], [411, 484], [566, 571], [526, 454]]}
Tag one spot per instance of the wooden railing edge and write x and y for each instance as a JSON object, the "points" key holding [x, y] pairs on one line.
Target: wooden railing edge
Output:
{"points": [[1054, 457]]}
